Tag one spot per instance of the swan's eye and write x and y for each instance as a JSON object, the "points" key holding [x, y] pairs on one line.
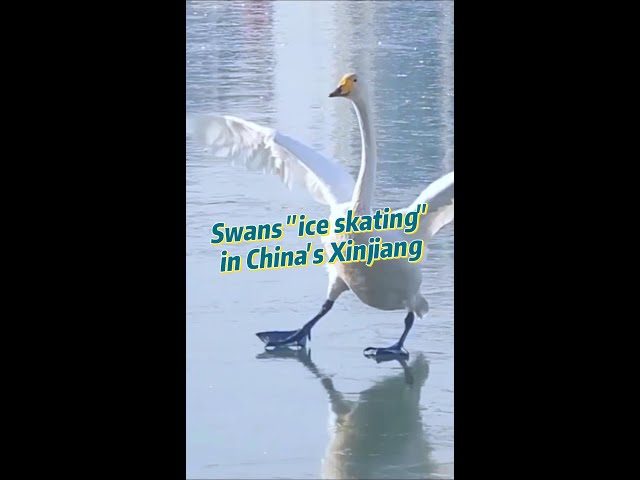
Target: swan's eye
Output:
{"points": [[355, 79]]}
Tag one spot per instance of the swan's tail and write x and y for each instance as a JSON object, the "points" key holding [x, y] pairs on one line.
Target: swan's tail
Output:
{"points": [[420, 306]]}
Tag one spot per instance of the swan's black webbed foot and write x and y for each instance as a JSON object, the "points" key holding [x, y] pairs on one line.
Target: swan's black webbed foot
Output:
{"points": [[294, 338], [393, 352]]}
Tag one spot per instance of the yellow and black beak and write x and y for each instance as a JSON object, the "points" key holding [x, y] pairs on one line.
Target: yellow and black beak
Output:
{"points": [[338, 92], [344, 87]]}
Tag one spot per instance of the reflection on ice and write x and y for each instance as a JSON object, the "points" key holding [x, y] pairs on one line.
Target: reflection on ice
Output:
{"points": [[380, 434]]}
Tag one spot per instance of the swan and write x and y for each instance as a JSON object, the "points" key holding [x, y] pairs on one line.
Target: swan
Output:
{"points": [[387, 285]]}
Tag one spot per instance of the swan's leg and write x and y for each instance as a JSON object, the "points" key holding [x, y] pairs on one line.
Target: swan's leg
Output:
{"points": [[300, 337], [397, 349]]}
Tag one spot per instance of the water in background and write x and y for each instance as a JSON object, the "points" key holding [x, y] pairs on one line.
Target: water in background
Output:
{"points": [[333, 413]]}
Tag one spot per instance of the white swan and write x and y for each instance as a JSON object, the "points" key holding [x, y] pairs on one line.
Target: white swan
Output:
{"points": [[385, 285]]}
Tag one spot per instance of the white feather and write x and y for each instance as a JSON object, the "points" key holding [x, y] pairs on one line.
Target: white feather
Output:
{"points": [[265, 149], [439, 196]]}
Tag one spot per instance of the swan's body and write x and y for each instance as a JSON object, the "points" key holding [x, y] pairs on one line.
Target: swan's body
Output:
{"points": [[385, 285]]}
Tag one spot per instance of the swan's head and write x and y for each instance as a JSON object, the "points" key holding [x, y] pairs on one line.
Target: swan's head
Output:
{"points": [[348, 86]]}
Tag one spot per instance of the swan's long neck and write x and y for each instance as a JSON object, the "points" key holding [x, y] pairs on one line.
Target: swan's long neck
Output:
{"points": [[365, 185]]}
